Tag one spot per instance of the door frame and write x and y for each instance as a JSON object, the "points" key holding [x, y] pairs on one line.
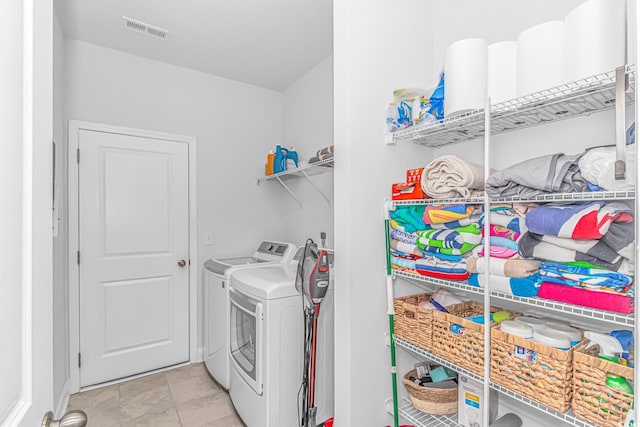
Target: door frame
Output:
{"points": [[75, 126]]}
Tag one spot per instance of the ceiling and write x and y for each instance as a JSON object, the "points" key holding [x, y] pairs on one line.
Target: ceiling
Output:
{"points": [[268, 43]]}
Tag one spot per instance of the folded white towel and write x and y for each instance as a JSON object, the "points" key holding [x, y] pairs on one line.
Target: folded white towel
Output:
{"points": [[450, 176]]}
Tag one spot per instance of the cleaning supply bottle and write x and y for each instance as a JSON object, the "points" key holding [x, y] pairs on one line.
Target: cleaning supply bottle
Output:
{"points": [[610, 349], [293, 155], [280, 159], [270, 161]]}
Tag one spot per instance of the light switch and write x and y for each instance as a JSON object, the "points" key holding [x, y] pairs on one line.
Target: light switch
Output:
{"points": [[208, 238]]}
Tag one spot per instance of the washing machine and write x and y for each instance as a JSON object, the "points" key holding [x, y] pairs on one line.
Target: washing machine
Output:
{"points": [[216, 297], [266, 347]]}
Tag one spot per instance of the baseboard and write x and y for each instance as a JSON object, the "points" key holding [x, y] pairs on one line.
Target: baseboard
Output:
{"points": [[200, 355], [63, 401]]}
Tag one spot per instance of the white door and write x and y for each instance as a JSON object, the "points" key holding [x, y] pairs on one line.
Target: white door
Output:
{"points": [[134, 254], [26, 377]]}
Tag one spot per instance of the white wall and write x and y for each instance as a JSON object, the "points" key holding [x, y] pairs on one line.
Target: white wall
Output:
{"points": [[308, 126], [60, 276], [378, 46], [232, 123]]}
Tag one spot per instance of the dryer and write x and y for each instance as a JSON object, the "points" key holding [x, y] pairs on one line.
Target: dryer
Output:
{"points": [[216, 297], [266, 343]]}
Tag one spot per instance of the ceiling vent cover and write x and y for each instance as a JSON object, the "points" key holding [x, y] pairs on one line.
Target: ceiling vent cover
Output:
{"points": [[143, 27]]}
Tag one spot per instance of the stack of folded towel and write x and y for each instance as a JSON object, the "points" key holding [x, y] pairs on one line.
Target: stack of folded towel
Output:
{"points": [[323, 154], [450, 176], [508, 273], [588, 249], [434, 240], [554, 173]]}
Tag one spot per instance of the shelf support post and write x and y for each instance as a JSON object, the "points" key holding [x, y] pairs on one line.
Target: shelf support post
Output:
{"points": [[622, 85], [390, 312], [487, 259]]}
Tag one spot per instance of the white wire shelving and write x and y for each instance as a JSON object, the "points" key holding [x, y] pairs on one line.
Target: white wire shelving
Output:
{"points": [[542, 198], [317, 168], [582, 97], [627, 320], [429, 420], [419, 418]]}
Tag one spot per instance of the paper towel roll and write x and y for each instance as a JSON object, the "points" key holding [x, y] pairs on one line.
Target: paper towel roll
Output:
{"points": [[465, 76], [540, 57], [595, 37], [501, 69]]}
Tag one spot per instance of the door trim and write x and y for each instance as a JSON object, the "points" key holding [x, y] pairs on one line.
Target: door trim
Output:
{"points": [[75, 126]]}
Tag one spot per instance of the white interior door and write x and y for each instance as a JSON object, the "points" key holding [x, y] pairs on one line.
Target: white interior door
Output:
{"points": [[26, 371], [134, 254]]}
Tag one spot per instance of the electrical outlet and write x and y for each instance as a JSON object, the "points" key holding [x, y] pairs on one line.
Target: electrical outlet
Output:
{"points": [[208, 238]]}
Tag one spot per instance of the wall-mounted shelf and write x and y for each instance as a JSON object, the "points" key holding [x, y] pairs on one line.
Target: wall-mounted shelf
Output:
{"points": [[627, 320], [306, 171], [543, 198], [582, 97], [567, 417]]}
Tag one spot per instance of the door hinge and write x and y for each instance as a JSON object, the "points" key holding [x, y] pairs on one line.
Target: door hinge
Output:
{"points": [[79, 360], [78, 257], [78, 155]]}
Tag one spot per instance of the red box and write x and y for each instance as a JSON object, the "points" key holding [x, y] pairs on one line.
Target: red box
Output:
{"points": [[412, 189]]}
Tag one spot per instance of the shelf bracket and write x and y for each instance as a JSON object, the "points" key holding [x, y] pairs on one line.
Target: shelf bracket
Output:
{"points": [[289, 191], [318, 189], [622, 85]]}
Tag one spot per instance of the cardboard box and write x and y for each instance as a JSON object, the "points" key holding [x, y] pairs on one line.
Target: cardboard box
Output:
{"points": [[471, 402], [411, 189]]}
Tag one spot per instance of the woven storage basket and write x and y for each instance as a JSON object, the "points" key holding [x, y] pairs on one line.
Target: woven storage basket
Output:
{"points": [[465, 349], [436, 401], [544, 376], [411, 322], [593, 400]]}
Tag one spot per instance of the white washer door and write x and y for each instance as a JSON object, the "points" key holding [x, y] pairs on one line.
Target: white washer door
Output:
{"points": [[246, 335]]}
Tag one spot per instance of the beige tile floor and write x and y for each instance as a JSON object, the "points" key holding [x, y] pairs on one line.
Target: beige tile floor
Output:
{"points": [[181, 397]]}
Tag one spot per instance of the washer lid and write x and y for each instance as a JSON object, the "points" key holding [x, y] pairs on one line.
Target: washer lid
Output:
{"points": [[220, 266], [269, 282]]}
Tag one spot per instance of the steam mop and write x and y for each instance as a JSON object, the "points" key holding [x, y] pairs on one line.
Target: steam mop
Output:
{"points": [[312, 281]]}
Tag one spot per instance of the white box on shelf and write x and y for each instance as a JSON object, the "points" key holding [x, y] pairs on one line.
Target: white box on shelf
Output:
{"points": [[471, 401]]}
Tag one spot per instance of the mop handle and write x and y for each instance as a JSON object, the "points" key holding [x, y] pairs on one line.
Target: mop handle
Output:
{"points": [[314, 336]]}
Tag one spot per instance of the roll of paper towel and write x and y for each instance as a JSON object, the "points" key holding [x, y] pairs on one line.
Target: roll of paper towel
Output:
{"points": [[501, 69], [540, 57], [595, 37], [465, 76]]}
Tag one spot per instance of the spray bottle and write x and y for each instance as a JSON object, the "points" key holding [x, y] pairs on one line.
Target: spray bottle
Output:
{"points": [[610, 349]]}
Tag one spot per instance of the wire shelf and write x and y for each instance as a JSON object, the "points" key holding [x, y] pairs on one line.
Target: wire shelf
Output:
{"points": [[420, 419], [567, 417], [582, 97], [571, 197], [316, 168], [627, 320], [417, 350], [426, 280], [551, 197]]}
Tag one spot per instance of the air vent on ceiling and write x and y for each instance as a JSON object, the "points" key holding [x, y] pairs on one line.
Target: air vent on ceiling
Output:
{"points": [[143, 27]]}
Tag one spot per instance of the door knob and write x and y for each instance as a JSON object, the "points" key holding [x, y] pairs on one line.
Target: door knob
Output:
{"points": [[70, 419], [182, 263]]}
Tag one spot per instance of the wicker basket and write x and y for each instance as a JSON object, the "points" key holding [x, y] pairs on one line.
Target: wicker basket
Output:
{"points": [[411, 322], [436, 401], [544, 376], [593, 400], [465, 349]]}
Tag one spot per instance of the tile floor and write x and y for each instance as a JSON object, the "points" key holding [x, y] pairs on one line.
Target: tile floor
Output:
{"points": [[181, 397]]}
